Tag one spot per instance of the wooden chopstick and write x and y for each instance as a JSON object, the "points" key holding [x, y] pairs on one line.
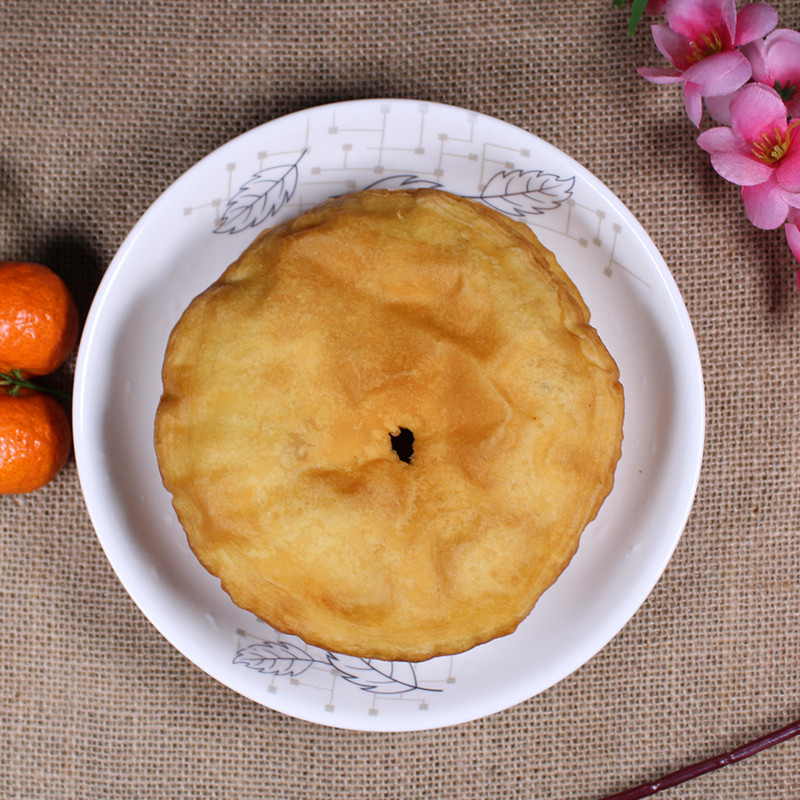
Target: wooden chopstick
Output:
{"points": [[709, 765]]}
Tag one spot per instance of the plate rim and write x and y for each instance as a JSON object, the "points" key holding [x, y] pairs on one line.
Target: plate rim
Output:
{"points": [[693, 372]]}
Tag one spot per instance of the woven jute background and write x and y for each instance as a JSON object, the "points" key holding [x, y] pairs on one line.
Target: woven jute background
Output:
{"points": [[103, 104]]}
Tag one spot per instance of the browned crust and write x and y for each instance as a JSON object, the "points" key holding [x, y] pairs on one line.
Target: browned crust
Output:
{"points": [[283, 380]]}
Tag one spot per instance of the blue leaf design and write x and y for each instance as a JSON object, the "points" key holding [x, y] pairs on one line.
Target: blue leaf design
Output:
{"points": [[378, 677], [517, 193], [260, 197], [275, 658]]}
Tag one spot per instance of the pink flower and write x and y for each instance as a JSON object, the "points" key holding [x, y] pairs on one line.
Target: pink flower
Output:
{"points": [[776, 62], [700, 40], [759, 152]]}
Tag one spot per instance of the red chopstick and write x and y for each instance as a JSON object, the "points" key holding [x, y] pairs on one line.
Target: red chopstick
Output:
{"points": [[709, 765]]}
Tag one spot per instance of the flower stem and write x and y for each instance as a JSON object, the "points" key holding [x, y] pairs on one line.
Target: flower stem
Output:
{"points": [[13, 381]]}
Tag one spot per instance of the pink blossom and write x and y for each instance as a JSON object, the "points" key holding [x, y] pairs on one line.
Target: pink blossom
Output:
{"points": [[700, 40], [759, 152], [776, 62]]}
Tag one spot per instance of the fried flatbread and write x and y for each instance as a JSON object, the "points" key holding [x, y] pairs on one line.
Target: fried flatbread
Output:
{"points": [[387, 424]]}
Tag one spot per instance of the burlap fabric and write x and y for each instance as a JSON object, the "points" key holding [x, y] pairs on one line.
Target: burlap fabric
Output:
{"points": [[103, 105]]}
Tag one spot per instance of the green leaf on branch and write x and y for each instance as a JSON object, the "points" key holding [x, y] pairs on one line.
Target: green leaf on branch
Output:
{"points": [[637, 11]]}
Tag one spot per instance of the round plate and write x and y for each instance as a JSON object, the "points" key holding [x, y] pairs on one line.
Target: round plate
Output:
{"points": [[203, 222]]}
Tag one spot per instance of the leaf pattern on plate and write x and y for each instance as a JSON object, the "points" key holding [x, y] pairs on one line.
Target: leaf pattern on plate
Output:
{"points": [[517, 193], [286, 659], [378, 677], [261, 196], [404, 182], [275, 658]]}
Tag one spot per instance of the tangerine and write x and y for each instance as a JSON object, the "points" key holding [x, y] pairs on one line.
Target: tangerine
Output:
{"points": [[35, 441], [38, 319]]}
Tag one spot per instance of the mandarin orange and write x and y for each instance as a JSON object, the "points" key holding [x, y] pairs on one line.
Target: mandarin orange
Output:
{"points": [[35, 441], [38, 319]]}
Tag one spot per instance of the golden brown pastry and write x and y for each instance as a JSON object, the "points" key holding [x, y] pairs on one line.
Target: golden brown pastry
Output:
{"points": [[293, 388]]}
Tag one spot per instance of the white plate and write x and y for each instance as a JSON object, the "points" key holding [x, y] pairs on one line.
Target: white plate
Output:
{"points": [[204, 220]]}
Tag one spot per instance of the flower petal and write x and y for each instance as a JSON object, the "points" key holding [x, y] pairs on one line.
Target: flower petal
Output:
{"points": [[764, 205], [729, 20], [793, 238], [655, 7], [675, 47], [693, 102], [754, 21], [660, 75], [787, 170], [783, 35], [783, 60], [719, 107], [755, 109], [721, 73], [756, 53], [791, 198], [693, 18], [741, 168], [717, 140]]}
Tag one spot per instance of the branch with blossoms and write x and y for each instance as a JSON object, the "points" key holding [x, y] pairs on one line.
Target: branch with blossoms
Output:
{"points": [[745, 72]]}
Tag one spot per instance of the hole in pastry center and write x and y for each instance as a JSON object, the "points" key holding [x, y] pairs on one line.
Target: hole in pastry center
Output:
{"points": [[403, 444]]}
